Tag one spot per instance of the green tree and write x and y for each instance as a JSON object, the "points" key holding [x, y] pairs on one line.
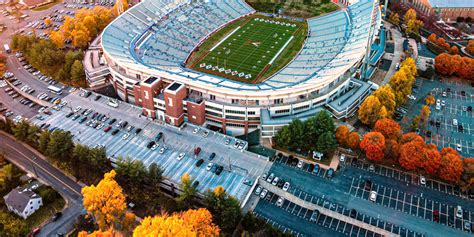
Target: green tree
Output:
{"points": [[60, 145], [297, 133], [77, 72], [283, 137], [225, 209], [43, 141], [12, 225], [188, 190], [32, 138], [326, 142], [20, 130]]}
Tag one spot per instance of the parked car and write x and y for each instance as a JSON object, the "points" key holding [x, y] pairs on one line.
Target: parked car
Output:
{"points": [[314, 216], [422, 180], [270, 177], [330, 173], [459, 211], [258, 190], [197, 150], [373, 196], [300, 164], [286, 186], [181, 155], [199, 162], [353, 213], [280, 201], [275, 181], [56, 216], [211, 157], [263, 193]]}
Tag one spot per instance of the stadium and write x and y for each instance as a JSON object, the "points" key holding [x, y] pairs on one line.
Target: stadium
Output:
{"points": [[222, 64]]}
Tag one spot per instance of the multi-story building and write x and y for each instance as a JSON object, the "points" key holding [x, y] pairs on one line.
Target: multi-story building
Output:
{"points": [[447, 10], [146, 49]]}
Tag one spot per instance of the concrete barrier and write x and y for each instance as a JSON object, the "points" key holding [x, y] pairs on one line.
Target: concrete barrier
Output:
{"points": [[28, 96]]}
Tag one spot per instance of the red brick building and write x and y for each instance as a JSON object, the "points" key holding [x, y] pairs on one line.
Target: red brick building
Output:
{"points": [[448, 10]]}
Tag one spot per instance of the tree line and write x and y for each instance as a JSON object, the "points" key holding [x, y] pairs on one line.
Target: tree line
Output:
{"points": [[384, 101], [455, 65], [62, 65], [315, 134]]}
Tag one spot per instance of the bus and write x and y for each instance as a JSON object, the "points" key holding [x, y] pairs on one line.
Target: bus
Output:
{"points": [[55, 90], [7, 48]]}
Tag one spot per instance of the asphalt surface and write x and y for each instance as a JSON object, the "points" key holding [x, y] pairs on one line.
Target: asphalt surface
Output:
{"points": [[403, 205], [238, 164], [40, 168]]}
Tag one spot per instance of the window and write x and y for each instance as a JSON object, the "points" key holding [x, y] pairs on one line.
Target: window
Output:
{"points": [[301, 107], [212, 97], [213, 108], [234, 117], [251, 112], [278, 101], [235, 125], [234, 112], [170, 102], [139, 77], [281, 111], [146, 94]]}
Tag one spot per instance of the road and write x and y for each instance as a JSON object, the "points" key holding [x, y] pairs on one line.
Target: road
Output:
{"points": [[32, 163], [398, 44]]}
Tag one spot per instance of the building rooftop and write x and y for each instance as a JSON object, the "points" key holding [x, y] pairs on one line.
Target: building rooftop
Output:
{"points": [[452, 3], [19, 197]]}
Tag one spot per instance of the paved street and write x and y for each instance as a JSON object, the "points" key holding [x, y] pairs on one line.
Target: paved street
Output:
{"points": [[34, 164], [398, 45]]}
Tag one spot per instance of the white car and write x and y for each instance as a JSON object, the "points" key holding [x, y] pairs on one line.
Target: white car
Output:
{"points": [[196, 130], [300, 164], [270, 177], [342, 158], [286, 186], [373, 196], [443, 103], [125, 136], [209, 166], [371, 168], [455, 122], [205, 133], [280, 201], [458, 147], [258, 190], [444, 94], [162, 150], [100, 126], [263, 193], [422, 180], [459, 211], [155, 146], [275, 181], [181, 155]]}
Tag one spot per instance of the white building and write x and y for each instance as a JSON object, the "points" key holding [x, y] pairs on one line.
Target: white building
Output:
{"points": [[23, 201]]}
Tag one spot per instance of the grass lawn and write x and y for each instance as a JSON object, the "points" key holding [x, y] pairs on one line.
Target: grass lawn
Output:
{"points": [[46, 6], [251, 49], [294, 8], [47, 211]]}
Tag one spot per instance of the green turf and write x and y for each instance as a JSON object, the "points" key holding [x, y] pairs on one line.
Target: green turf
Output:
{"points": [[250, 49]]}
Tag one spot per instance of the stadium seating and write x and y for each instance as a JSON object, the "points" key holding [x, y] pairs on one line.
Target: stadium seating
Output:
{"points": [[160, 34]]}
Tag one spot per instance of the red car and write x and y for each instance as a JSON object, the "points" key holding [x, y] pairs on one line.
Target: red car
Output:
{"points": [[107, 128], [34, 232], [197, 150], [436, 216]]}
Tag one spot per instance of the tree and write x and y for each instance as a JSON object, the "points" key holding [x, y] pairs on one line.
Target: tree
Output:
{"points": [[392, 149], [43, 141], [401, 85], [433, 38], [454, 50], [224, 208], [57, 38], [190, 223], [409, 137], [451, 167], [314, 127], [446, 64], [353, 141], [389, 128], [411, 22], [77, 72], [342, 135], [431, 159], [60, 145], [387, 98], [373, 144], [297, 134], [12, 226], [424, 114], [394, 18], [326, 142], [470, 47], [411, 154], [105, 201], [20, 130], [369, 111], [409, 64], [283, 137], [430, 100], [466, 68], [187, 188]]}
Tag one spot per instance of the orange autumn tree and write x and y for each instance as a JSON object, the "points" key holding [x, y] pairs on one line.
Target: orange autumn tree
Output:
{"points": [[454, 50], [466, 68], [342, 135], [353, 141], [430, 159], [389, 128], [451, 166], [106, 201], [411, 151], [189, 223], [373, 144]]}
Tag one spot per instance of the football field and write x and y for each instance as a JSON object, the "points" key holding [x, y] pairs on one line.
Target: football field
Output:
{"points": [[250, 49]]}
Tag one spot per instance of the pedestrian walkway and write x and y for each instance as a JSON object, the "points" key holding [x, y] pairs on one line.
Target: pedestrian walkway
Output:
{"points": [[324, 211]]}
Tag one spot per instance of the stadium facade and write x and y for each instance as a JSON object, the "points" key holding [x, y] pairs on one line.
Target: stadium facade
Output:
{"points": [[146, 49]]}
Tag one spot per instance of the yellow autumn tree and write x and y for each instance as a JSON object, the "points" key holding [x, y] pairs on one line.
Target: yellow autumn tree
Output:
{"points": [[424, 114], [99, 233], [429, 100], [401, 85], [410, 64], [189, 223], [394, 18], [387, 98], [411, 22], [105, 201], [369, 111], [57, 38]]}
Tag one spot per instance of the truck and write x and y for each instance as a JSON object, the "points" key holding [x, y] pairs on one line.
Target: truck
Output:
{"points": [[7, 48]]}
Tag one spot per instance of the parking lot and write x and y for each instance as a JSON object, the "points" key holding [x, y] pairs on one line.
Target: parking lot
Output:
{"points": [[400, 189], [450, 122], [238, 165]]}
